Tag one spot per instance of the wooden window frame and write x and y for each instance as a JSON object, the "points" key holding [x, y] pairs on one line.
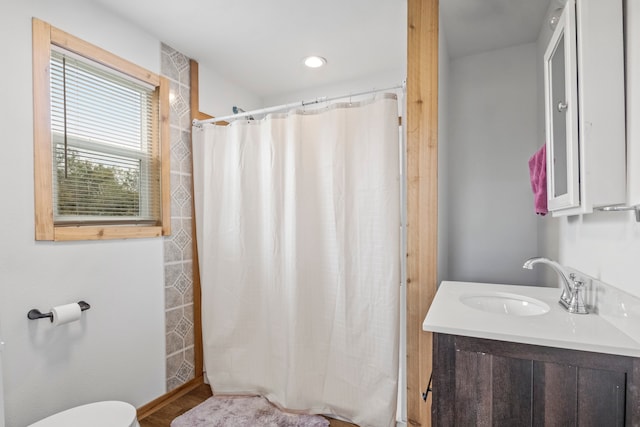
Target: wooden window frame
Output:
{"points": [[44, 37]]}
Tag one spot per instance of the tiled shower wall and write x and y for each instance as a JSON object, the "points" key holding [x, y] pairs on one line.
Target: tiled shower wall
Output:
{"points": [[178, 252]]}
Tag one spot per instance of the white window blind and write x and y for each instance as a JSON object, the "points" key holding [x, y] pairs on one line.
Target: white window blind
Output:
{"points": [[105, 163]]}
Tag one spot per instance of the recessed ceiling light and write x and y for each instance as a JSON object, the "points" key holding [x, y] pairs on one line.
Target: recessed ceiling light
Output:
{"points": [[314, 61]]}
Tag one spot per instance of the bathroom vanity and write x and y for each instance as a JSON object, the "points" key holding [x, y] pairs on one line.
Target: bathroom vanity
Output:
{"points": [[506, 364], [488, 382]]}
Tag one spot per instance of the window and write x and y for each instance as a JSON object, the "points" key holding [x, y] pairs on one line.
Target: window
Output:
{"points": [[100, 142]]}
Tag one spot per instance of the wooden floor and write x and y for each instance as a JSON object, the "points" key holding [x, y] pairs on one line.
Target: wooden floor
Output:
{"points": [[164, 416]]}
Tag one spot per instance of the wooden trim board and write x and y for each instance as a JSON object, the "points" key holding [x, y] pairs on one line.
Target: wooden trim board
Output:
{"points": [[43, 193], [167, 398], [164, 147], [422, 197], [197, 295], [97, 54]]}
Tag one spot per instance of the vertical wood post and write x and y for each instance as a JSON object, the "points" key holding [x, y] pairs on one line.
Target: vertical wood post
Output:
{"points": [[197, 299], [422, 197]]}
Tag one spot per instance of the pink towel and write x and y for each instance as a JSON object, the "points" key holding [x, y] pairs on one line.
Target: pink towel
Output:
{"points": [[538, 174]]}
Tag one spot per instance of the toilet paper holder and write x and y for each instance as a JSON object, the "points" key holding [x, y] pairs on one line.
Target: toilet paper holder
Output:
{"points": [[37, 314]]}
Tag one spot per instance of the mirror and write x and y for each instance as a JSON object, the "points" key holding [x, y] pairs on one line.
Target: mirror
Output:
{"points": [[557, 95], [561, 112], [491, 109]]}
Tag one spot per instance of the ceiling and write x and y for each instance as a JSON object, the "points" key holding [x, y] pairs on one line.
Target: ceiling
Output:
{"points": [[473, 26], [259, 45]]}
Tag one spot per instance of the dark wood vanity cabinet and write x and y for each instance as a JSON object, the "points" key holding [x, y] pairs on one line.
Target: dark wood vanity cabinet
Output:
{"points": [[480, 382]]}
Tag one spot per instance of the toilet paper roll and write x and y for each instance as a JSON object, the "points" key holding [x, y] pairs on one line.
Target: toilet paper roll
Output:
{"points": [[63, 314]]}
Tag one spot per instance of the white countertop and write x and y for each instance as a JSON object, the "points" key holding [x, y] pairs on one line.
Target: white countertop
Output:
{"points": [[556, 328]]}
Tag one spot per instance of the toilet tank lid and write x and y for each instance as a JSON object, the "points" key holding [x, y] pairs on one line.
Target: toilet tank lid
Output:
{"points": [[99, 414]]}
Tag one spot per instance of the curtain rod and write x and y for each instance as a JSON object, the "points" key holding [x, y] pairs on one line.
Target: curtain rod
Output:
{"points": [[291, 105]]}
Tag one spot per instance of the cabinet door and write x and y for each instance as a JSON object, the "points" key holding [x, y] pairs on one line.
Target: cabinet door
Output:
{"points": [[601, 398], [561, 113], [568, 395], [492, 390], [555, 394]]}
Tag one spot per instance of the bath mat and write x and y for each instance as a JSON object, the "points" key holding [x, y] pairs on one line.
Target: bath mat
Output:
{"points": [[256, 411]]}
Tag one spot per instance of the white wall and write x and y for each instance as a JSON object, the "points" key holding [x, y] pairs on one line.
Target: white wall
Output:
{"points": [[382, 80], [548, 227], [607, 245], [492, 116], [632, 15], [443, 156], [117, 350], [218, 96]]}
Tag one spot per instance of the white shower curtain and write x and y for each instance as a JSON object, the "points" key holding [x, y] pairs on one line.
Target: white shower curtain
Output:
{"points": [[298, 230]]}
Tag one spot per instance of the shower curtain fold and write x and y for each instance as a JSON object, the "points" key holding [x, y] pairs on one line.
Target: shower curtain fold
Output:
{"points": [[298, 222]]}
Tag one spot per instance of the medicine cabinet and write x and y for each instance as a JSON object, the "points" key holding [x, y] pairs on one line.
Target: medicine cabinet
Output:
{"points": [[585, 108]]}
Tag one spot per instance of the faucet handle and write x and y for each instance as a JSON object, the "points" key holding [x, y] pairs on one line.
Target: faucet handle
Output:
{"points": [[576, 305], [577, 282]]}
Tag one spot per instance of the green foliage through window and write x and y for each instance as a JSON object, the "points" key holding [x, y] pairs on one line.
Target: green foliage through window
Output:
{"points": [[90, 188]]}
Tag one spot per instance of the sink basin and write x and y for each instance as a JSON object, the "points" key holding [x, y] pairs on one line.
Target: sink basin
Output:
{"points": [[505, 303]]}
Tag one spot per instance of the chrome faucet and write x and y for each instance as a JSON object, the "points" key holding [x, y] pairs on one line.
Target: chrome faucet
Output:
{"points": [[571, 298]]}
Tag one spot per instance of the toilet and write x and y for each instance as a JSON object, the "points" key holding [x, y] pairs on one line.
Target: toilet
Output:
{"points": [[98, 414], [1, 389]]}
